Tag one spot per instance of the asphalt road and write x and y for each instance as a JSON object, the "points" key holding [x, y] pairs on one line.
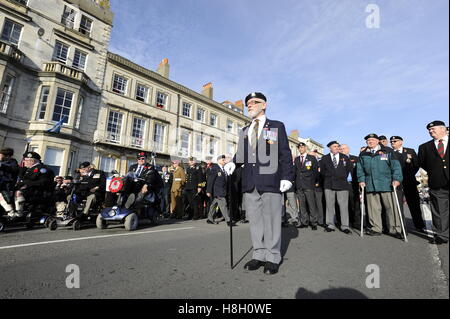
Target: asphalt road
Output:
{"points": [[191, 259]]}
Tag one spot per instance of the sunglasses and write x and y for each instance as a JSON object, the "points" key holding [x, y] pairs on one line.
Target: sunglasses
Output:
{"points": [[394, 141], [254, 103]]}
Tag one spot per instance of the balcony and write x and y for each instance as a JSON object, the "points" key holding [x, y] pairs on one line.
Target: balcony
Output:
{"points": [[11, 51], [127, 141], [61, 68]]}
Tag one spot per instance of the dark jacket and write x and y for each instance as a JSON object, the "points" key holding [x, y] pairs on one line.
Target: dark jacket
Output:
{"points": [[194, 178], [354, 162], [37, 178], [271, 163], [217, 182], [436, 167], [306, 174], [409, 162], [335, 178], [9, 171], [94, 179]]}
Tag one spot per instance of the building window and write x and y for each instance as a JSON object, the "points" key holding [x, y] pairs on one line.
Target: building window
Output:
{"points": [[230, 148], [79, 112], [185, 143], [68, 17], [137, 136], [6, 93], [161, 100], [54, 159], [212, 146], [11, 32], [239, 128], [43, 100], [229, 126], [213, 120], [141, 93], [61, 52], [120, 84], [63, 105], [107, 164], [79, 60], [199, 143], [23, 2], [158, 137], [187, 109], [201, 115], [85, 25], [114, 126]]}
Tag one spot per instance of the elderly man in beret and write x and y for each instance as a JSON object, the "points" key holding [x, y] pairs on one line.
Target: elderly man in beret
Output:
{"points": [[9, 170], [176, 191], [410, 166], [434, 159], [92, 186], [264, 154], [378, 172]]}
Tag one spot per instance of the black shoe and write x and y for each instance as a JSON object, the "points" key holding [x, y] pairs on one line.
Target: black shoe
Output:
{"points": [[271, 268], [347, 231], [438, 241], [328, 229], [231, 223], [314, 227], [244, 221], [370, 232], [211, 222], [254, 264], [284, 224], [397, 235], [302, 226]]}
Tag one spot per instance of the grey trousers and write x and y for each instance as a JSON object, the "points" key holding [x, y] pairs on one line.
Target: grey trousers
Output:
{"points": [[90, 200], [318, 195], [222, 203], [439, 211], [291, 206], [374, 202], [308, 208], [264, 213], [342, 199]]}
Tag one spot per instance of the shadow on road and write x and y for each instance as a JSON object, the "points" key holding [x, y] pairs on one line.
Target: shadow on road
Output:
{"points": [[287, 234], [333, 293]]}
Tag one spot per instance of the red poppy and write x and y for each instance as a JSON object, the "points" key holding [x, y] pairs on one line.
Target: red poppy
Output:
{"points": [[36, 170]]}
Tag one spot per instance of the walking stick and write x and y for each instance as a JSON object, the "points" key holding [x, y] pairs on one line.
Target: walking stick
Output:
{"points": [[400, 213], [362, 210], [229, 188]]}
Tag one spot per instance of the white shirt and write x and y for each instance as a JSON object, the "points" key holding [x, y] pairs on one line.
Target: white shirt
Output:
{"points": [[444, 141], [303, 158], [262, 121], [139, 170], [337, 157], [377, 148]]}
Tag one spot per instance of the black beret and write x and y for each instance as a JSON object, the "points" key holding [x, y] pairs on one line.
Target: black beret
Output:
{"points": [[68, 177], [84, 165], [435, 123], [372, 135], [141, 154], [301, 144], [7, 151], [332, 142], [220, 157], [257, 95], [396, 138], [32, 155], [382, 137]]}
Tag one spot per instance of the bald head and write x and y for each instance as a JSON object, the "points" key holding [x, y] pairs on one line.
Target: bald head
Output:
{"points": [[345, 149]]}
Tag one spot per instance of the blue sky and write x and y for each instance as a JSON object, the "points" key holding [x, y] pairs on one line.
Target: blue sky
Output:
{"points": [[323, 71]]}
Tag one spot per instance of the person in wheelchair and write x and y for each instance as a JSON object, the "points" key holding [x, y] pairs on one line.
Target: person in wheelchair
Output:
{"points": [[92, 187], [34, 186], [62, 193], [143, 184], [9, 170]]}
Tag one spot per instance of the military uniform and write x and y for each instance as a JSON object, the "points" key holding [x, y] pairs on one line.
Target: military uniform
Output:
{"points": [[354, 203], [167, 182], [194, 181], [176, 192]]}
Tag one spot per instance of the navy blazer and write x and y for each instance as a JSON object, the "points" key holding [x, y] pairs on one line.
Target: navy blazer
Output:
{"points": [[410, 165], [271, 163], [436, 167], [217, 182], [336, 178], [306, 175]]}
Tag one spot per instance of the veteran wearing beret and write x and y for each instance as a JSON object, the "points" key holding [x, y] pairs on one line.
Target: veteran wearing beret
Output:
{"points": [[410, 166], [176, 191], [433, 158], [9, 170], [92, 186], [378, 171], [264, 154], [193, 188], [35, 183]]}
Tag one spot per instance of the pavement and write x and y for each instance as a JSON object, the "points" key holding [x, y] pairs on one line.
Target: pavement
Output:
{"points": [[191, 260]]}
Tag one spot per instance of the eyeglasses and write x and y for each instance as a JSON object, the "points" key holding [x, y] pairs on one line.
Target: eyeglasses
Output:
{"points": [[254, 102], [141, 159], [394, 141]]}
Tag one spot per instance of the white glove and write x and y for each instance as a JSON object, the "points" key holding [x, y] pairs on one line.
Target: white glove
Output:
{"points": [[229, 168], [285, 186]]}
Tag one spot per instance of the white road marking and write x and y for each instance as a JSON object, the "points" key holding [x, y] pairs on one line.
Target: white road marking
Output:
{"points": [[91, 237]]}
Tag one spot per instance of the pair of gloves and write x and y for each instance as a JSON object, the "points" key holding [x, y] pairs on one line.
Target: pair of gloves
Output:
{"points": [[285, 185]]}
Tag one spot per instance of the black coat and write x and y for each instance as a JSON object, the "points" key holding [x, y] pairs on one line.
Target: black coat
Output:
{"points": [[217, 182], [9, 170], [335, 178], [436, 167], [94, 179], [265, 173], [194, 178], [354, 161], [409, 162], [306, 175]]}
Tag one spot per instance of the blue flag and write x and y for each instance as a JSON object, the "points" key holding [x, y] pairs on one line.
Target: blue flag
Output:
{"points": [[57, 127]]}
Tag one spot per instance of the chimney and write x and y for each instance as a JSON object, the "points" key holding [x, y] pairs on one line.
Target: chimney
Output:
{"points": [[239, 104], [208, 90], [294, 134], [164, 68]]}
